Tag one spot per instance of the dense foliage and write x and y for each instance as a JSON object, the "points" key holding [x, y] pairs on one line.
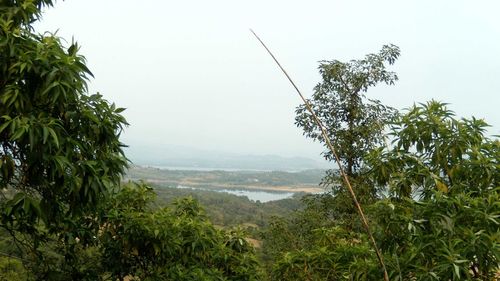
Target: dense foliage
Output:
{"points": [[230, 210], [439, 220], [432, 196], [170, 244], [63, 213], [433, 150], [59, 147]]}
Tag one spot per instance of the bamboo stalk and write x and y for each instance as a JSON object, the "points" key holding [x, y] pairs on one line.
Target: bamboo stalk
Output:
{"points": [[337, 159]]}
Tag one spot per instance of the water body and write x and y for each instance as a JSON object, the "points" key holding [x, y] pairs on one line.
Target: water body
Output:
{"points": [[210, 169], [254, 195]]}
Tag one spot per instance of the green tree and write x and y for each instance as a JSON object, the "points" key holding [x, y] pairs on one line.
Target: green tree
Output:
{"points": [[441, 220], [61, 164], [59, 146], [438, 222], [315, 244], [336, 255], [170, 243], [434, 151], [353, 122]]}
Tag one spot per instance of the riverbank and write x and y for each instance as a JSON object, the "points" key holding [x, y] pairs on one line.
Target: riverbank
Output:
{"points": [[270, 181]]}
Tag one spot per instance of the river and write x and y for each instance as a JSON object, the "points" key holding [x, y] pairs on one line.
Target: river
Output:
{"points": [[254, 195]]}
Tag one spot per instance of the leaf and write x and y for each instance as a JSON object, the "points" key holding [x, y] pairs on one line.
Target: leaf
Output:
{"points": [[457, 270], [52, 85], [4, 125], [18, 198], [17, 134], [45, 133], [441, 186], [120, 110], [54, 136]]}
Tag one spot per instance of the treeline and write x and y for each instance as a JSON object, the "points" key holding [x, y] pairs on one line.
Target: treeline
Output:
{"points": [[239, 179], [229, 210]]}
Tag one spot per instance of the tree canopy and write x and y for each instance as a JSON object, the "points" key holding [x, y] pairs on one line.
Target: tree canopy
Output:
{"points": [[354, 123], [438, 220], [59, 146], [65, 213], [61, 165]]}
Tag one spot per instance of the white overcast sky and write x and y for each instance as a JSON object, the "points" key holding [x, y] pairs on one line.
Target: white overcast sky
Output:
{"points": [[190, 73]]}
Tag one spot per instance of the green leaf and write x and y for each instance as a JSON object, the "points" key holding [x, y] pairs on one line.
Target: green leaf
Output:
{"points": [[53, 135], [457, 270], [4, 125], [45, 133]]}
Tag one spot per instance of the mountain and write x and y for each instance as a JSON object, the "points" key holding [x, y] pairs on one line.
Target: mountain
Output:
{"points": [[172, 156]]}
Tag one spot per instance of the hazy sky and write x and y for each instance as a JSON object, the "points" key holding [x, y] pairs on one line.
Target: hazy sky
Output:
{"points": [[190, 73]]}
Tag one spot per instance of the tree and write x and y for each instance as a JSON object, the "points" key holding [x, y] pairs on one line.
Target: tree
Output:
{"points": [[314, 244], [354, 123], [59, 146], [324, 241], [434, 151], [438, 222], [441, 220], [170, 243], [61, 164]]}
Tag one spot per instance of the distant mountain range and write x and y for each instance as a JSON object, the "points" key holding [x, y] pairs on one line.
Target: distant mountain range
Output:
{"points": [[178, 157]]}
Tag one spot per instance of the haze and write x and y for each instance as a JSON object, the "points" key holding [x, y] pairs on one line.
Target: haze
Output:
{"points": [[191, 74]]}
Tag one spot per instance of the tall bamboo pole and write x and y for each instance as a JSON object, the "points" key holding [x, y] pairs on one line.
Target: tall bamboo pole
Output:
{"points": [[337, 159]]}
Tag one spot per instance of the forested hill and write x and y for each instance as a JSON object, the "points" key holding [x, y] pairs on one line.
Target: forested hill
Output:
{"points": [[228, 210], [303, 181]]}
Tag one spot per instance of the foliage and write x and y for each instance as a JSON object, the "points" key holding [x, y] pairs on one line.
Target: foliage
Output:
{"points": [[229, 210], [315, 244], [60, 156], [434, 151], [451, 232], [294, 232], [59, 147], [337, 255], [438, 222], [170, 244], [11, 269], [446, 238], [354, 123], [65, 216]]}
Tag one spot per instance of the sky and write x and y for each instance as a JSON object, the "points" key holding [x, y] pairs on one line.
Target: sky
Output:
{"points": [[191, 74]]}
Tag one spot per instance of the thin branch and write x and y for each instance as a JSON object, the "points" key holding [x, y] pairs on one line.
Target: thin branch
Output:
{"points": [[13, 257], [334, 152]]}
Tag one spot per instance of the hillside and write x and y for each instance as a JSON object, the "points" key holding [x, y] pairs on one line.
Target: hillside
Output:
{"points": [[279, 181]]}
